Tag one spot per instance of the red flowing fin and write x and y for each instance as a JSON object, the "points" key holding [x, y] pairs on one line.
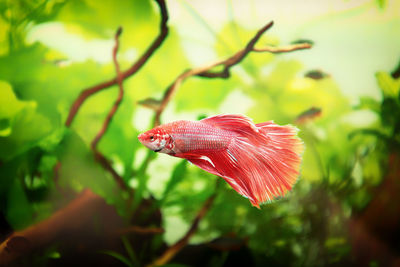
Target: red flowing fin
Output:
{"points": [[201, 161], [261, 163], [206, 162], [232, 122], [267, 169], [267, 123], [285, 135]]}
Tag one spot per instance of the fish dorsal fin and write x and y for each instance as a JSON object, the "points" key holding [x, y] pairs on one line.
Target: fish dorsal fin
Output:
{"points": [[232, 122]]}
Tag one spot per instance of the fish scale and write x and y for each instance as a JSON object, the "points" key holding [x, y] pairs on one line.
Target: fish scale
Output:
{"points": [[198, 136]]}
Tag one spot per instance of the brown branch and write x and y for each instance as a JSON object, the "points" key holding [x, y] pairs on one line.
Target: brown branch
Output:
{"points": [[250, 45], [100, 157], [283, 49], [114, 108], [174, 249], [129, 72], [71, 217], [228, 63], [238, 57]]}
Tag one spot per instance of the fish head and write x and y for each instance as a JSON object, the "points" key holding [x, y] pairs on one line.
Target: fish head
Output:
{"points": [[157, 139]]}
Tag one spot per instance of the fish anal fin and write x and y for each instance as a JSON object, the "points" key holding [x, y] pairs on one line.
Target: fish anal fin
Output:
{"points": [[224, 165]]}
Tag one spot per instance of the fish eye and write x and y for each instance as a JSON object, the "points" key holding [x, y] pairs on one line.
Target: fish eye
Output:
{"points": [[151, 137]]}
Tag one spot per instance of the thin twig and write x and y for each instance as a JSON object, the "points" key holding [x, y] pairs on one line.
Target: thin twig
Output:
{"points": [[129, 72], [100, 157], [174, 249], [238, 57], [204, 71], [283, 49], [114, 108]]}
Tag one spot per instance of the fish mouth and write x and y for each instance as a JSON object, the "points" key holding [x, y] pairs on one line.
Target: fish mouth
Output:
{"points": [[157, 150], [140, 137]]}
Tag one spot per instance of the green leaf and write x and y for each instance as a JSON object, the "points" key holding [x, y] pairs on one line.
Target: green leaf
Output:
{"points": [[5, 127], [129, 249], [369, 103], [51, 86], [9, 104], [177, 175], [19, 212], [26, 127], [136, 17], [381, 3], [390, 112], [389, 86], [197, 93], [118, 256]]}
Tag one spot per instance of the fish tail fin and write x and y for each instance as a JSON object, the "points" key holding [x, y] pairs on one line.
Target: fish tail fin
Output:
{"points": [[286, 134], [262, 162]]}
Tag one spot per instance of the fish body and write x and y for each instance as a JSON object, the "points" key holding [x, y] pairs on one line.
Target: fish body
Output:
{"points": [[260, 161]]}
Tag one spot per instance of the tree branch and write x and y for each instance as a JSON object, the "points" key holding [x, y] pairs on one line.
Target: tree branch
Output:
{"points": [[228, 63], [129, 72]]}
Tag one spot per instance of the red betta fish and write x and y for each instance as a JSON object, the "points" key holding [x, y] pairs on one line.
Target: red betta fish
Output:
{"points": [[260, 161]]}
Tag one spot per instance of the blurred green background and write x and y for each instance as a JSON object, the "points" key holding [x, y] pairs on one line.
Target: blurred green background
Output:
{"points": [[343, 94]]}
